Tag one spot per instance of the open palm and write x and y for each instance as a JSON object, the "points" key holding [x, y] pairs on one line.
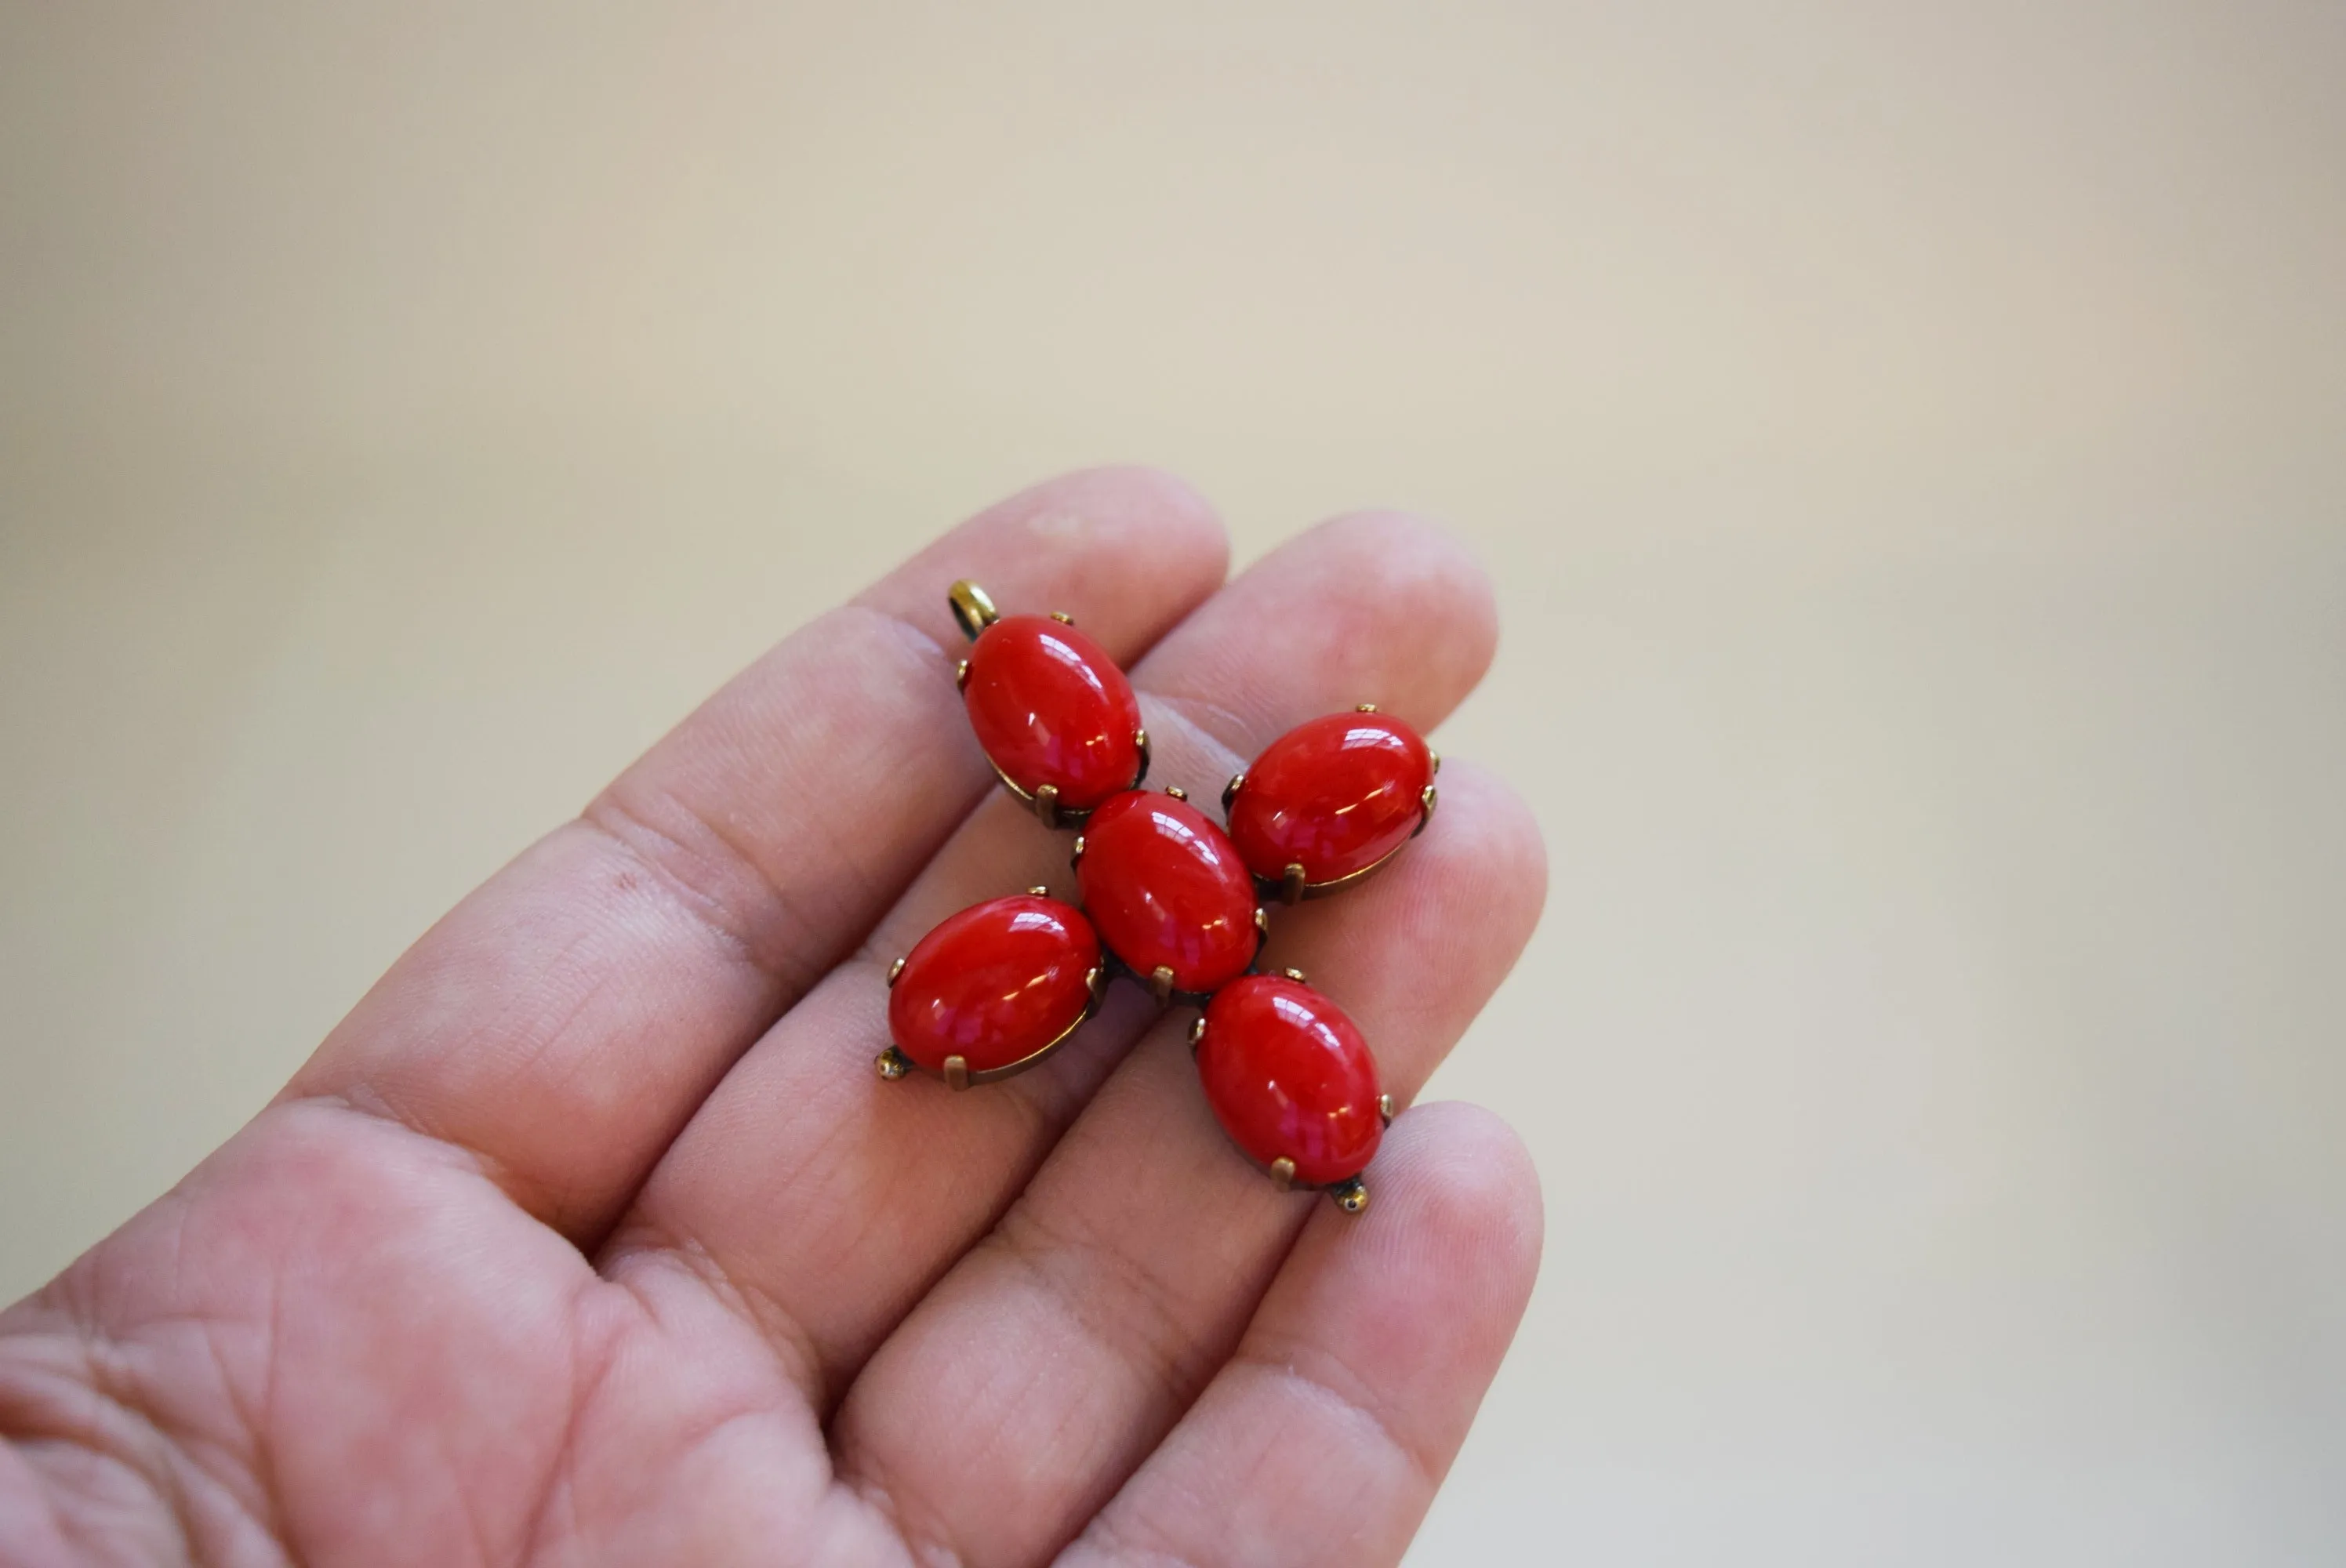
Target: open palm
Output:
{"points": [[591, 1236]]}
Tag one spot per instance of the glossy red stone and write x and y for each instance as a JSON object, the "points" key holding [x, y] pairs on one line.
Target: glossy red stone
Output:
{"points": [[1050, 707], [1334, 796], [1166, 886], [1289, 1077], [993, 984]]}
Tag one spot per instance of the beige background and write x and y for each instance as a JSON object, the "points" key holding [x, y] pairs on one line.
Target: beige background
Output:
{"points": [[1910, 443]]}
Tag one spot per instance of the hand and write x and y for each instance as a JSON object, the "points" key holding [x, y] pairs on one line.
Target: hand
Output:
{"points": [[591, 1236]]}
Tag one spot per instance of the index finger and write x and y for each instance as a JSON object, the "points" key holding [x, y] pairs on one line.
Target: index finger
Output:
{"points": [[563, 1022]]}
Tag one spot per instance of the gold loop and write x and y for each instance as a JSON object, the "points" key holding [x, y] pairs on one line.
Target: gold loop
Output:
{"points": [[972, 608]]}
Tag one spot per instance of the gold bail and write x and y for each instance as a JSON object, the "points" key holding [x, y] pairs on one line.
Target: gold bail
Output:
{"points": [[972, 608]]}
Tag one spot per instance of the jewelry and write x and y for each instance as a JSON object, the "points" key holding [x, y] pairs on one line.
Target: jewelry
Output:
{"points": [[1169, 898]]}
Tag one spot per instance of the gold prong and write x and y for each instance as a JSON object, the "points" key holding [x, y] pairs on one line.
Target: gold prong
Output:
{"points": [[1198, 1032], [895, 970], [972, 608], [1046, 804], [1364, 707], [1290, 884], [892, 1063], [1435, 756], [1295, 974], [959, 1074], [1076, 856], [1384, 1109], [1177, 791], [1064, 618], [1140, 744], [1230, 791], [961, 674], [1262, 923], [1038, 892], [1282, 1172], [1351, 1197], [1160, 984], [1425, 801]]}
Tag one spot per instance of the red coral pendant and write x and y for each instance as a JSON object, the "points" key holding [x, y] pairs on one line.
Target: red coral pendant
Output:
{"points": [[1169, 897]]}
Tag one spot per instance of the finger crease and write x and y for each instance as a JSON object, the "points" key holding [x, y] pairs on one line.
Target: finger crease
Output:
{"points": [[362, 1099], [1357, 1408], [764, 944], [1138, 1323], [801, 1360]]}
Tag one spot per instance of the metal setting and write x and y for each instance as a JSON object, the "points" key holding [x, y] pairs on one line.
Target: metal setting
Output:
{"points": [[961, 674], [1173, 997], [1177, 792], [1384, 1109], [1435, 756], [1295, 974], [972, 608], [1261, 927], [1045, 801], [1230, 791], [894, 1064], [894, 969], [1038, 892], [1064, 618], [1160, 984], [1197, 1033], [1293, 889], [1075, 855], [1364, 707], [1351, 1194]]}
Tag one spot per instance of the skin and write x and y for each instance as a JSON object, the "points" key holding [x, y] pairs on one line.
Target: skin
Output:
{"points": [[592, 1237]]}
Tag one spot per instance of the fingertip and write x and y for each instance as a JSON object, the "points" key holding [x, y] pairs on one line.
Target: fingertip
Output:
{"points": [[1162, 498], [1125, 522], [1379, 607], [1383, 564], [1411, 1307], [1466, 1188], [1486, 830], [1127, 550]]}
